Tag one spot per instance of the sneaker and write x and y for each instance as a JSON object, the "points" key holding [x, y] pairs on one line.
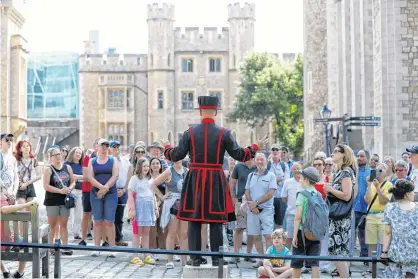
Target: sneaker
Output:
{"points": [[111, 255], [95, 254], [6, 274], [77, 237], [149, 260], [17, 274], [82, 242], [251, 260], [234, 260], [169, 265], [104, 244], [305, 270], [176, 258], [67, 252], [156, 257], [89, 236], [258, 264], [121, 243], [325, 270]]}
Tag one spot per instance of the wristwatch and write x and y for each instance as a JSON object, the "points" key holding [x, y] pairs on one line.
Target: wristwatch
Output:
{"points": [[257, 203]]}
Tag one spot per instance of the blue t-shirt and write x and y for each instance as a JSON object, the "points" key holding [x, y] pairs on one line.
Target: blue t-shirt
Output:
{"points": [[77, 169], [278, 262], [360, 204]]}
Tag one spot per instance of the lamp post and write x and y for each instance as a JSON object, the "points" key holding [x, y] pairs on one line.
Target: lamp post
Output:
{"points": [[325, 113]]}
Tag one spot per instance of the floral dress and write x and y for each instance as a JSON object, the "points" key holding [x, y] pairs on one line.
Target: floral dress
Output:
{"points": [[339, 230], [403, 248]]}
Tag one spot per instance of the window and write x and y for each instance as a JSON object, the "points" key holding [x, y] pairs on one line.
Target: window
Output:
{"points": [[217, 94], [138, 60], [116, 132], [128, 98], [214, 65], [115, 98], [160, 99], [187, 65], [129, 78], [187, 100]]}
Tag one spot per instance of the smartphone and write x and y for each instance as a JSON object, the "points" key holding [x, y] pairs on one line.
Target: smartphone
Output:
{"points": [[372, 175]]}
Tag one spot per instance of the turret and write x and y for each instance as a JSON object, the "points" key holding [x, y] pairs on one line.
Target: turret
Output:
{"points": [[241, 32]]}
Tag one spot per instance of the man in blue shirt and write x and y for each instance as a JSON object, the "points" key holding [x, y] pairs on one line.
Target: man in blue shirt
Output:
{"points": [[360, 205]]}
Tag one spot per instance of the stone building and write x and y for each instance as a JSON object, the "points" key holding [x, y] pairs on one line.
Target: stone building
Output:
{"points": [[362, 59], [13, 63], [132, 97]]}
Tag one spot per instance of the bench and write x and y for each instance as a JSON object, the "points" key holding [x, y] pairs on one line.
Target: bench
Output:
{"points": [[34, 255]]}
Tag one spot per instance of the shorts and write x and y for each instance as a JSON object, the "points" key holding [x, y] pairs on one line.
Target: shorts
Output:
{"points": [[311, 248], [104, 208], [262, 223], [86, 202], [57, 211], [29, 192], [241, 222], [290, 224], [279, 211], [374, 228]]}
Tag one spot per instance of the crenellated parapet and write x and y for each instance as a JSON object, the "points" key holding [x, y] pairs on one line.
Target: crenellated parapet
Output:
{"points": [[113, 63], [155, 11], [201, 39], [238, 11]]}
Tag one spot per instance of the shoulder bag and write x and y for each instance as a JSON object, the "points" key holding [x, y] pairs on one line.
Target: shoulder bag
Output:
{"points": [[338, 208], [69, 201]]}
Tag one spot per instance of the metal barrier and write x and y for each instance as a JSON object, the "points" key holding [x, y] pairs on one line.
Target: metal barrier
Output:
{"points": [[57, 246]]}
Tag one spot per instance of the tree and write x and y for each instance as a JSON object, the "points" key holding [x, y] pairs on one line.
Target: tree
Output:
{"points": [[272, 90]]}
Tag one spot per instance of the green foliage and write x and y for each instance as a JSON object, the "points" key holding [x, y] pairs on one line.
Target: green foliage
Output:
{"points": [[272, 90]]}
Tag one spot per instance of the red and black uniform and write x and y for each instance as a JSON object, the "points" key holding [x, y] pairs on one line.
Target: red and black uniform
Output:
{"points": [[205, 195]]}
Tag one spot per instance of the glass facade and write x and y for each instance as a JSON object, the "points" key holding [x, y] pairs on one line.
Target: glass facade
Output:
{"points": [[53, 90]]}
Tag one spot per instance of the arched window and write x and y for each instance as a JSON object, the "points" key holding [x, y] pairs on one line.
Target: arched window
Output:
{"points": [[169, 60]]}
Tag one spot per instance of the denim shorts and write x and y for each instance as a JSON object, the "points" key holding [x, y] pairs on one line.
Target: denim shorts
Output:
{"points": [[104, 208]]}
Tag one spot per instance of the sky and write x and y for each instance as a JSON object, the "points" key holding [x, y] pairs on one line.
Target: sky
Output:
{"points": [[63, 25]]}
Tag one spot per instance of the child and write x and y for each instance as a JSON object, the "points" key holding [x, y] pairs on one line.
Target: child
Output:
{"points": [[309, 177], [276, 268], [143, 208]]}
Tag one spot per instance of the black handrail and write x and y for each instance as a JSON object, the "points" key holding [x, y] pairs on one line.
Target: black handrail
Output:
{"points": [[57, 246]]}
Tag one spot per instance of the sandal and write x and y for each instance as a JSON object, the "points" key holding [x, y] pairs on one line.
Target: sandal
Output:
{"points": [[169, 265], [335, 272], [137, 261], [149, 260]]}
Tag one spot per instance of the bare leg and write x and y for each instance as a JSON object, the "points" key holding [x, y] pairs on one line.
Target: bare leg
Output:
{"points": [[342, 268], [287, 274], [145, 238], [63, 229], [53, 224], [238, 239], [22, 201], [296, 273], [258, 243], [171, 236], [184, 245], [110, 232], [85, 224], [98, 229]]}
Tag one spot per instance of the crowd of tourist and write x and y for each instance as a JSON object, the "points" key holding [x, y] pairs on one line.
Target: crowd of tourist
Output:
{"points": [[375, 201]]}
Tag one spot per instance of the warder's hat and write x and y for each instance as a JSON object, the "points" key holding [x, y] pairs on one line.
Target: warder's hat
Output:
{"points": [[208, 102]]}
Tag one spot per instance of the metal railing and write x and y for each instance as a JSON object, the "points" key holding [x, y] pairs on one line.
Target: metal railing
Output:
{"points": [[57, 246]]}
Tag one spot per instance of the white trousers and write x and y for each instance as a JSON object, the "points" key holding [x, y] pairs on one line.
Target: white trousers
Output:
{"points": [[74, 223]]}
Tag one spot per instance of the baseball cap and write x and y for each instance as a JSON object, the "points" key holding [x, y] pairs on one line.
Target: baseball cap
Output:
{"points": [[275, 146], [311, 174], [139, 148], [6, 135], [413, 150], [284, 148], [114, 143], [102, 141]]}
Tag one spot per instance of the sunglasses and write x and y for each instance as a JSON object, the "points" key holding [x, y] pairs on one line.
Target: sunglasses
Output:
{"points": [[140, 152], [374, 160], [328, 164], [317, 165], [337, 151], [56, 155], [8, 139], [274, 149]]}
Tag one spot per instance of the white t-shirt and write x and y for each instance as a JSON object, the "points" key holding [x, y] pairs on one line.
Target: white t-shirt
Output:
{"points": [[9, 172], [123, 172], [142, 187], [414, 179], [290, 189]]}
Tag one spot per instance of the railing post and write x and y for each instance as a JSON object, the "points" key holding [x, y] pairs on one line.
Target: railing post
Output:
{"points": [[221, 262], [57, 264], [374, 264]]}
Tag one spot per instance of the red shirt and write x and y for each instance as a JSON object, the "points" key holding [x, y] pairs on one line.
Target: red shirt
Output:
{"points": [[320, 188], [86, 186]]}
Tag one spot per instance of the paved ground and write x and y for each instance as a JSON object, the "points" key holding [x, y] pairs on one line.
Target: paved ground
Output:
{"points": [[82, 265]]}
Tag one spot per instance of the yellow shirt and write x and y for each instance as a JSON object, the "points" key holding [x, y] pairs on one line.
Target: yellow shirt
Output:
{"points": [[377, 206]]}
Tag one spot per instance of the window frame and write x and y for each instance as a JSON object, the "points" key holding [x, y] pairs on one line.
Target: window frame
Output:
{"points": [[190, 103], [188, 60], [160, 92], [214, 91], [214, 60], [115, 98]]}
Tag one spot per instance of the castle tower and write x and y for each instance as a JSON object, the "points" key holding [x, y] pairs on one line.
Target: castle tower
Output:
{"points": [[161, 93], [241, 20]]}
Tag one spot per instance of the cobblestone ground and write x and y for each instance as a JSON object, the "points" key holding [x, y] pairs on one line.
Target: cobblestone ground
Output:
{"points": [[82, 265]]}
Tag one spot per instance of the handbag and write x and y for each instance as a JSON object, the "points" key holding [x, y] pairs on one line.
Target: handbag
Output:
{"points": [[362, 222], [338, 208], [69, 201]]}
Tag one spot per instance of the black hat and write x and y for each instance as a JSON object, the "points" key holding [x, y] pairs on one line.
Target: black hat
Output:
{"points": [[6, 135], [208, 102], [413, 150]]}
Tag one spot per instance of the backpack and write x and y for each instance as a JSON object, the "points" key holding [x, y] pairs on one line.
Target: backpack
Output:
{"points": [[282, 164], [315, 225]]}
